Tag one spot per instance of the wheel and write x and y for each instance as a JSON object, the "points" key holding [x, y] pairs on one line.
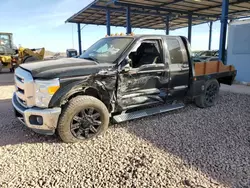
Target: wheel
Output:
{"points": [[85, 117], [210, 95], [12, 69], [30, 59]]}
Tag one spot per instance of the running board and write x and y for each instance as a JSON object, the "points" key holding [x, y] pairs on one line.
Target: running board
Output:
{"points": [[146, 112]]}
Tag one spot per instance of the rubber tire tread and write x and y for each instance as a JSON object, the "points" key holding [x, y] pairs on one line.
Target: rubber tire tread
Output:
{"points": [[200, 101], [30, 59], [75, 104]]}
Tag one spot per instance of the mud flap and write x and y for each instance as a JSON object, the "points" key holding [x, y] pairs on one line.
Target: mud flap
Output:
{"points": [[197, 88]]}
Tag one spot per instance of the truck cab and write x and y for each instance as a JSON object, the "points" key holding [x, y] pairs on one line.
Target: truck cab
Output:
{"points": [[117, 79]]}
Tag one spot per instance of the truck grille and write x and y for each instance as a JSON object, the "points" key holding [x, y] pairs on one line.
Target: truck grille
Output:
{"points": [[24, 87]]}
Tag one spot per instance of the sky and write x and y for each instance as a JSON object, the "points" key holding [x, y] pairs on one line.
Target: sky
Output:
{"points": [[41, 23]]}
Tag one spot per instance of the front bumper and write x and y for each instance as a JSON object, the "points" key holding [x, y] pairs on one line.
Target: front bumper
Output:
{"points": [[48, 118]]}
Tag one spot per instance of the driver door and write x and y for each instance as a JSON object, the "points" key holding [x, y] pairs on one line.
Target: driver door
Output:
{"points": [[144, 79]]}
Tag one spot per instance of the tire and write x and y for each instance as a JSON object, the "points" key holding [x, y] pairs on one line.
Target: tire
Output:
{"points": [[210, 95], [30, 59], [75, 121], [12, 69]]}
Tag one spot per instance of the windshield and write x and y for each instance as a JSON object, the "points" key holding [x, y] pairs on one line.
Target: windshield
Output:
{"points": [[5, 44], [107, 50], [5, 40]]}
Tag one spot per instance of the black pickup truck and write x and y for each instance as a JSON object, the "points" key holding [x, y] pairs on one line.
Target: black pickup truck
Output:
{"points": [[117, 79]]}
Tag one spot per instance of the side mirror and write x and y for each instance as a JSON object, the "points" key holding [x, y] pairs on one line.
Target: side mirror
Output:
{"points": [[126, 65], [126, 68]]}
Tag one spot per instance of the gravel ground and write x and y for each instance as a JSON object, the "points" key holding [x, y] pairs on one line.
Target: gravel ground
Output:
{"points": [[190, 147]]}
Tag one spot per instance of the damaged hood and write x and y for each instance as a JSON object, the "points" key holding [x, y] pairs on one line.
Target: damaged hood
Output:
{"points": [[63, 68]]}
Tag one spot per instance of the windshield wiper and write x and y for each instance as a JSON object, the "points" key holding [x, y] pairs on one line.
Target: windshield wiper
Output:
{"points": [[91, 58]]}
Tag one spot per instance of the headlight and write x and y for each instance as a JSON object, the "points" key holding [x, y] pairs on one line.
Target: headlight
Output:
{"points": [[45, 89]]}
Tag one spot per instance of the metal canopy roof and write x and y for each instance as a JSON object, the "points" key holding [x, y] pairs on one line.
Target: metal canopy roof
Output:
{"points": [[151, 14]]}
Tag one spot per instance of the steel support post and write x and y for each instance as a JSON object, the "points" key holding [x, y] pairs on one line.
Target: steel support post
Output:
{"points": [[79, 38], [128, 20], [189, 27], [167, 25], [108, 21], [223, 30], [210, 35]]}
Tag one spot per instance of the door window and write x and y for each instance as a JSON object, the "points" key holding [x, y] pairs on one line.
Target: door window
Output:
{"points": [[146, 53], [175, 51]]}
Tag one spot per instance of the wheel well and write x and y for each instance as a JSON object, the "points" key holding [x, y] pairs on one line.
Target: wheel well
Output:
{"points": [[90, 92], [228, 80]]}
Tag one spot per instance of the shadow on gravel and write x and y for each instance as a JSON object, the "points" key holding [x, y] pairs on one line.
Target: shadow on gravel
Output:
{"points": [[13, 132], [3, 101], [6, 78], [6, 83], [6, 72], [215, 140]]}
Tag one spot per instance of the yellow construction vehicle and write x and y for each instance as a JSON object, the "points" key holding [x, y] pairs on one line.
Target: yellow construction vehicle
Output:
{"points": [[11, 57]]}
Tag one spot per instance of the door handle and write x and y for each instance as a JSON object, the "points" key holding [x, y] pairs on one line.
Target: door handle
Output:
{"points": [[184, 66]]}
